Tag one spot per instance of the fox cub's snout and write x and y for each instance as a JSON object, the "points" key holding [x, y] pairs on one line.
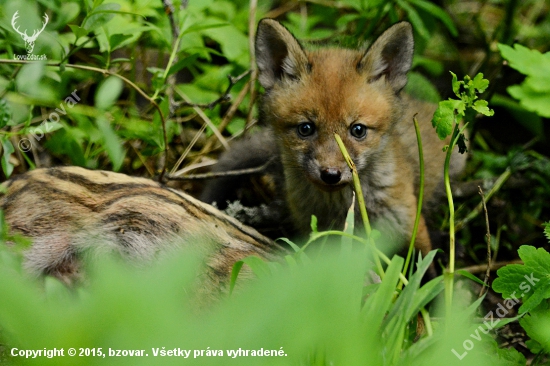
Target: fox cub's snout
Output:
{"points": [[311, 95]]}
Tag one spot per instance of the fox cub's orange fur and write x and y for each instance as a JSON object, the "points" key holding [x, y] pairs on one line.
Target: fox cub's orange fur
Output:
{"points": [[312, 94]]}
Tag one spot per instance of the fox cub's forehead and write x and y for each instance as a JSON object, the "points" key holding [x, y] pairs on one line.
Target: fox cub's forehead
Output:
{"points": [[333, 89], [338, 89], [334, 65]]}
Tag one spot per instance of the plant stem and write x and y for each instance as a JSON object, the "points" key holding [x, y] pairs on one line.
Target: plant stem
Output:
{"points": [[449, 275], [361, 202], [427, 321], [419, 201], [175, 49]]}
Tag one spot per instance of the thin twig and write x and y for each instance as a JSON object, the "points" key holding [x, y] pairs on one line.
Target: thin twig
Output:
{"points": [[188, 168], [229, 173], [480, 268], [169, 9], [189, 147], [253, 67], [143, 161], [488, 235], [226, 119], [205, 119], [469, 188], [225, 97]]}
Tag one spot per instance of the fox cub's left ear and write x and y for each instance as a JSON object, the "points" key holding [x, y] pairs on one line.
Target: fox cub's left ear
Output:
{"points": [[390, 56]]}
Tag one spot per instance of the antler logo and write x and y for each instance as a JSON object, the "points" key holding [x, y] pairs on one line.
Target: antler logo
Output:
{"points": [[29, 40]]}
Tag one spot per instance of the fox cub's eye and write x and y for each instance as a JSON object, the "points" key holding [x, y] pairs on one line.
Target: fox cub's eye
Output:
{"points": [[306, 129], [358, 130]]}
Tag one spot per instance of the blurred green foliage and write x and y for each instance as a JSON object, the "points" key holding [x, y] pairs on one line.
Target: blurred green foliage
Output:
{"points": [[317, 312]]}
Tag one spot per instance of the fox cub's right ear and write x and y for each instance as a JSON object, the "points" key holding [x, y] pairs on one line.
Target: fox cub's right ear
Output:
{"points": [[278, 53]]}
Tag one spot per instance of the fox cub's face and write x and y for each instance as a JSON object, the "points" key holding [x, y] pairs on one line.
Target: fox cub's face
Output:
{"points": [[311, 95]]}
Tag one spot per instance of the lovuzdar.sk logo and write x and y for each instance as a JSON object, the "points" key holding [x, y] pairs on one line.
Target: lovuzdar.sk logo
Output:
{"points": [[29, 40]]}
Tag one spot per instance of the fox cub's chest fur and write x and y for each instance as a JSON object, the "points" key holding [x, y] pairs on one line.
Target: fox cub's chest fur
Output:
{"points": [[311, 96]]}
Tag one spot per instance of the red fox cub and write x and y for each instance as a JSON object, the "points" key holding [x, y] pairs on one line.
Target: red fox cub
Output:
{"points": [[312, 94]]}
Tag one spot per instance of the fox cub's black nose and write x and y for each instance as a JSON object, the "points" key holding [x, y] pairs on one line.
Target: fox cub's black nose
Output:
{"points": [[331, 175]]}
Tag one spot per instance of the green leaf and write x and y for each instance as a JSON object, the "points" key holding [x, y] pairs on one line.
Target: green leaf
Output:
{"points": [[443, 118], [510, 357], [437, 12], [479, 83], [234, 274], [542, 293], [236, 125], [481, 106], [79, 32], [101, 15], [313, 224], [257, 265], [183, 63], [531, 99], [65, 142], [201, 27], [28, 81], [7, 150], [547, 230], [528, 62], [412, 298], [377, 306], [111, 142], [415, 19], [5, 113], [43, 128], [118, 40], [537, 326], [233, 42], [470, 276], [530, 280], [460, 107], [456, 84], [108, 92], [534, 92], [291, 243]]}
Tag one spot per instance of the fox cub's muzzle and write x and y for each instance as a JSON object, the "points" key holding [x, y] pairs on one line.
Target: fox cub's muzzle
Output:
{"points": [[331, 178]]}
